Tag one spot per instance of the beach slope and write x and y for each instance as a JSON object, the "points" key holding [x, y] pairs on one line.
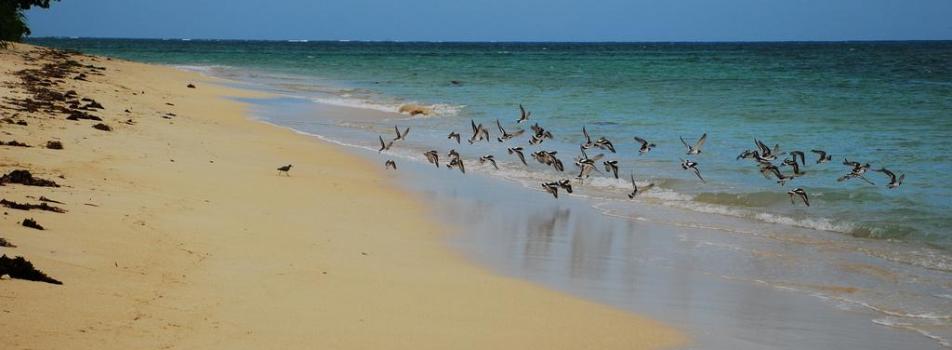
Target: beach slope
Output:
{"points": [[179, 232]]}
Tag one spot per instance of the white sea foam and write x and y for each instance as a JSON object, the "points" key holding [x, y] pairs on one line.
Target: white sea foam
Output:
{"points": [[345, 100]]}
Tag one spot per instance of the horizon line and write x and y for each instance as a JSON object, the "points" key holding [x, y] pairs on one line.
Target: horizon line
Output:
{"points": [[500, 41]]}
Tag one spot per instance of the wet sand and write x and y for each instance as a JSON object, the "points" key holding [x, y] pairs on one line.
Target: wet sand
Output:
{"points": [[180, 233]]}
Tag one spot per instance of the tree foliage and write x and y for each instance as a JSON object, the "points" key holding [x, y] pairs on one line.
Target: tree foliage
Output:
{"points": [[12, 22]]}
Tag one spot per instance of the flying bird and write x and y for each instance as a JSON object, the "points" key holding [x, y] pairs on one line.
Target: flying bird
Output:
{"points": [[390, 164], [799, 192], [552, 188], [893, 180], [611, 166], [505, 135], [479, 133], [384, 146], [823, 157], [518, 152], [687, 164], [645, 145], [488, 158], [696, 149], [401, 137], [453, 135], [433, 157], [523, 115]]}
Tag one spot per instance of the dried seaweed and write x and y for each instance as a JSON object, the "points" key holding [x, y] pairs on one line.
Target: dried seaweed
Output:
{"points": [[31, 206], [23, 177], [20, 268]]}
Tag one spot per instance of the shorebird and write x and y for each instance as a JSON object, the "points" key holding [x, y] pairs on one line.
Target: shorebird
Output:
{"points": [[551, 187], [565, 184], [857, 170], [585, 170], [433, 157], [823, 156], [802, 156], [645, 146], [518, 152], [536, 139], [893, 180], [401, 137], [612, 166], [687, 164], [549, 158], [766, 152], [696, 149], [760, 159], [384, 146], [479, 132], [635, 189], [523, 115], [455, 161], [603, 143], [285, 169], [505, 135], [799, 192], [745, 154], [390, 164], [793, 163], [584, 159], [588, 139], [488, 158], [453, 135]]}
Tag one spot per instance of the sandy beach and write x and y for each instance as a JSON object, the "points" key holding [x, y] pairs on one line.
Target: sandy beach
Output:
{"points": [[180, 233]]}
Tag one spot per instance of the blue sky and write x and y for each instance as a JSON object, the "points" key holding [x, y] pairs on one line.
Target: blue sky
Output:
{"points": [[500, 20]]}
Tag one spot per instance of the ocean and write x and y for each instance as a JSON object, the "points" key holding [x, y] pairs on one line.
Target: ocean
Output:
{"points": [[884, 103]]}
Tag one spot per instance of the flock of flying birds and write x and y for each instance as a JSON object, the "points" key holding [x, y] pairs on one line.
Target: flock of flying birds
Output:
{"points": [[763, 156]]}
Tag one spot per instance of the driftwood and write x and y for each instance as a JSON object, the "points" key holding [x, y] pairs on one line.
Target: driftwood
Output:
{"points": [[20, 268]]}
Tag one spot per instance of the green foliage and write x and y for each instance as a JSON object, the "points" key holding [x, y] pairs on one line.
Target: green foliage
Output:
{"points": [[12, 22]]}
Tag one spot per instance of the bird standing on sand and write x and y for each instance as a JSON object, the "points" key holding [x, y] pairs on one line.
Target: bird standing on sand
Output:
{"points": [[401, 137], [453, 135], [893, 180], [390, 164], [800, 193], [687, 164], [518, 152], [433, 157], [823, 156], [696, 149], [611, 166], [285, 169], [523, 115], [384, 146], [488, 158], [645, 145]]}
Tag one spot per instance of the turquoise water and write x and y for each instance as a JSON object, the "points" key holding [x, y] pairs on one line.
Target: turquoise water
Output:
{"points": [[889, 104]]}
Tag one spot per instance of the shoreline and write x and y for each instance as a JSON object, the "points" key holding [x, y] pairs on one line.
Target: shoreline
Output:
{"points": [[191, 239]]}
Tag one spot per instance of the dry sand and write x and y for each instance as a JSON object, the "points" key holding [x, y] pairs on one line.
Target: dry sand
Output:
{"points": [[181, 234]]}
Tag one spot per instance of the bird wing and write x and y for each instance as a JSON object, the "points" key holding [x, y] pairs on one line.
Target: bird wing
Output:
{"points": [[473, 124], [501, 130], [633, 184], [397, 131], [698, 173], [517, 132], [892, 176], [405, 132], [522, 112], [641, 140], [821, 153], [700, 141], [685, 143], [383, 146], [585, 132], [597, 157]]}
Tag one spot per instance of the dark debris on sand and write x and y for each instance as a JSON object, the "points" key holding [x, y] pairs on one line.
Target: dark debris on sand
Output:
{"points": [[6, 244], [103, 127], [14, 143], [23, 177], [32, 224], [31, 206], [20, 268], [54, 145]]}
